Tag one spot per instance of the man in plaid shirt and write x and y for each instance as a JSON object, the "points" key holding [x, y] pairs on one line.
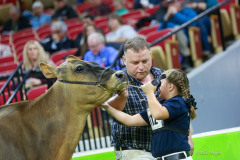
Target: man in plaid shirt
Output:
{"points": [[134, 143]]}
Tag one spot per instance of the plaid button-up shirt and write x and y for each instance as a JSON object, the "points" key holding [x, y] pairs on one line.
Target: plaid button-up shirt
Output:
{"points": [[134, 137]]}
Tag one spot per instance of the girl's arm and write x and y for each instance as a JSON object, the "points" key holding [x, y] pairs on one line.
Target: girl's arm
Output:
{"points": [[126, 119], [119, 100], [157, 110]]}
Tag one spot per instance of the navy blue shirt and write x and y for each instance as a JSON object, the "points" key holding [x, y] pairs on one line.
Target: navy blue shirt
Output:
{"points": [[166, 142]]}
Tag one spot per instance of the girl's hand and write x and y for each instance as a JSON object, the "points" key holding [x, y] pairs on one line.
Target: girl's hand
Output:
{"points": [[148, 88], [104, 105]]}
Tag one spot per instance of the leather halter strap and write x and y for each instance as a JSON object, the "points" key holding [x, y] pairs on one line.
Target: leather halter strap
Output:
{"points": [[97, 83]]}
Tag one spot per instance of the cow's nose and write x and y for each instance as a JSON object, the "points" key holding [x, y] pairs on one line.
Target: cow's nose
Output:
{"points": [[120, 75]]}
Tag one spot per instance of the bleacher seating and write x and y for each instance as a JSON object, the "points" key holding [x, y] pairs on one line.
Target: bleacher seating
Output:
{"points": [[36, 91], [58, 56]]}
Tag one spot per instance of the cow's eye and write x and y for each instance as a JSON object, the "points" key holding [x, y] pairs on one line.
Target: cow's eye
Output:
{"points": [[79, 69]]}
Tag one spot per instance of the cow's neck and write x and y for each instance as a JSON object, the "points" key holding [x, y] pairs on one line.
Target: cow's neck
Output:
{"points": [[66, 122]]}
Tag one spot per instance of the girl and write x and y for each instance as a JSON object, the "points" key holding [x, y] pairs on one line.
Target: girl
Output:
{"points": [[169, 119]]}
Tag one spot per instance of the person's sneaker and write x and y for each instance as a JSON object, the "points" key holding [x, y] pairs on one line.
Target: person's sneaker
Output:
{"points": [[206, 55]]}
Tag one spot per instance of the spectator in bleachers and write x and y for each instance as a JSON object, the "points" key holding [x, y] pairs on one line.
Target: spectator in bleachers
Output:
{"points": [[119, 31], [63, 11], [58, 40], [119, 7], [83, 45], [145, 4], [98, 9], [155, 18], [16, 21], [38, 17], [99, 53], [203, 23], [5, 50], [33, 54], [176, 15]]}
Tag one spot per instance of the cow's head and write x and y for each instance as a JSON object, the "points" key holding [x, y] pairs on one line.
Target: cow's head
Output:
{"points": [[86, 82]]}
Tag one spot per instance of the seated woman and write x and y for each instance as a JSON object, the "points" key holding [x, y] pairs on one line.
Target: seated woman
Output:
{"points": [[33, 54]]}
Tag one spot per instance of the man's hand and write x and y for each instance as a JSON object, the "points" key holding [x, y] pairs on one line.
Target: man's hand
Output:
{"points": [[123, 92]]}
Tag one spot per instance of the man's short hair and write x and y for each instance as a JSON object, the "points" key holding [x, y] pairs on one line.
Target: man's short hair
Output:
{"points": [[98, 36], [136, 44], [37, 4], [59, 25]]}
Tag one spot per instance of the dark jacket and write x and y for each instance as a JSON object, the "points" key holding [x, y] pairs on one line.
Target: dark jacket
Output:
{"points": [[22, 23], [64, 13], [48, 44]]}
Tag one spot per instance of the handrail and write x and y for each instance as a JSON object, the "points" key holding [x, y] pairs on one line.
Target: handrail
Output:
{"points": [[175, 30], [10, 77]]}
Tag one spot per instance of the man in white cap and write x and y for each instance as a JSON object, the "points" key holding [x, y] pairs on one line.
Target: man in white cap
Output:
{"points": [[39, 18]]}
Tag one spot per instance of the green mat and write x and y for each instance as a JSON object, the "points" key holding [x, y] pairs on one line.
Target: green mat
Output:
{"points": [[224, 146]]}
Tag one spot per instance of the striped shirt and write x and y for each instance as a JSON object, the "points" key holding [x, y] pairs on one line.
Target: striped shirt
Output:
{"points": [[134, 137]]}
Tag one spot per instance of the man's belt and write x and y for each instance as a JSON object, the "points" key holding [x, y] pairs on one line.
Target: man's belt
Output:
{"points": [[178, 155], [129, 148]]}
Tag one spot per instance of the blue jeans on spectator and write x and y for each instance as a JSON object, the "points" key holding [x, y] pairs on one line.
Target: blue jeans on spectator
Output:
{"points": [[205, 30]]}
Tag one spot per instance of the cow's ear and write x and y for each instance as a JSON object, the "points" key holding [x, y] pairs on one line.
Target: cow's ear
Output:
{"points": [[71, 57], [48, 70]]}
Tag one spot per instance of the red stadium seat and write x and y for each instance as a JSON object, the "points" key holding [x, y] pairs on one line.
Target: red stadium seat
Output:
{"points": [[7, 67], [84, 6], [152, 10], [74, 32], [131, 14], [103, 26], [6, 59], [151, 37], [43, 31], [195, 45], [235, 17], [215, 34], [172, 54], [148, 29], [100, 20], [57, 56], [36, 91]]}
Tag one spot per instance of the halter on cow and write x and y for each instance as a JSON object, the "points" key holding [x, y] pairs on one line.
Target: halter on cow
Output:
{"points": [[50, 126]]}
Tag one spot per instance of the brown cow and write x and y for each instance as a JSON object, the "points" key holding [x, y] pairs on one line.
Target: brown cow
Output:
{"points": [[50, 126]]}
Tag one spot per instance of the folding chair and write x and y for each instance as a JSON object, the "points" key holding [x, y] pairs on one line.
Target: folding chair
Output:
{"points": [[195, 45]]}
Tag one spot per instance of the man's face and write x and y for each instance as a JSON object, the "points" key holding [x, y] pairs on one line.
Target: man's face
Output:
{"points": [[58, 34], [94, 46], [37, 11], [14, 16], [60, 4], [138, 64]]}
